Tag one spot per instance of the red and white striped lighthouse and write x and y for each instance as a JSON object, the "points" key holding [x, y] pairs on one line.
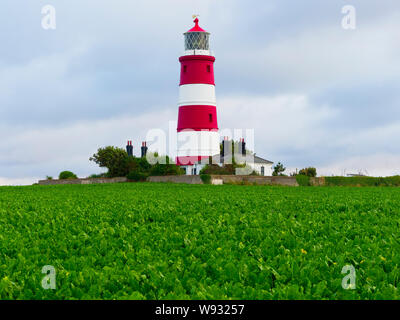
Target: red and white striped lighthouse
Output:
{"points": [[198, 136]]}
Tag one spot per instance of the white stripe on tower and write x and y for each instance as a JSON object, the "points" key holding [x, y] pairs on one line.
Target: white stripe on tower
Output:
{"points": [[197, 95]]}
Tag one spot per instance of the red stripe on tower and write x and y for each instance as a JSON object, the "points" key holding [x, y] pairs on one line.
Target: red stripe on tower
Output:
{"points": [[197, 119], [197, 69]]}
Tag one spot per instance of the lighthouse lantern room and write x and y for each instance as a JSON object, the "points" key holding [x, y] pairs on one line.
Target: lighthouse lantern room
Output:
{"points": [[198, 137]]}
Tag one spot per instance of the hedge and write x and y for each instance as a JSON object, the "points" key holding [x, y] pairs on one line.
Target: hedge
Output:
{"points": [[363, 181], [303, 180]]}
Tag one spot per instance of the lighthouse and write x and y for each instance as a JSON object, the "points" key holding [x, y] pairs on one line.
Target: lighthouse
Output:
{"points": [[198, 136]]}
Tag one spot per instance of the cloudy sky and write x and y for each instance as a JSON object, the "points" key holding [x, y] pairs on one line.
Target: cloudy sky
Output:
{"points": [[316, 94]]}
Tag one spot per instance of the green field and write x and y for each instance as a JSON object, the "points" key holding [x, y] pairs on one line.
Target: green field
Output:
{"points": [[164, 241]]}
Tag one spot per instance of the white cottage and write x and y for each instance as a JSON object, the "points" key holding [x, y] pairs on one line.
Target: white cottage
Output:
{"points": [[263, 167]]}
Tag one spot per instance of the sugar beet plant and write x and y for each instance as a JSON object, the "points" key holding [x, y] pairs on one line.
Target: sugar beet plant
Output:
{"points": [[162, 241]]}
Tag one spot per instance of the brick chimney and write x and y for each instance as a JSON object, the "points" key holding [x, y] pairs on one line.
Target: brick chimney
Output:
{"points": [[243, 147], [129, 148], [144, 149], [227, 150]]}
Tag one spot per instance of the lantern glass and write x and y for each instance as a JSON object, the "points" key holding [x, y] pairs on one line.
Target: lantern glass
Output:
{"points": [[197, 41]]}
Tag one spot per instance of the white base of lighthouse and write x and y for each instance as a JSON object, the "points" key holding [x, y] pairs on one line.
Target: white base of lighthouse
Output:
{"points": [[198, 143]]}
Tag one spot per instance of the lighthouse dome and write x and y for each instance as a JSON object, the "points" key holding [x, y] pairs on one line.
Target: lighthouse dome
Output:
{"points": [[197, 38], [197, 28]]}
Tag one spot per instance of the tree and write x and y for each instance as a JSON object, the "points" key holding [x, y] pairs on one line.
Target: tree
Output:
{"points": [[279, 169], [309, 172], [116, 160], [67, 175], [119, 164]]}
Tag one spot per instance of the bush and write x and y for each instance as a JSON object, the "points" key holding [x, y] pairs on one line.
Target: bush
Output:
{"points": [[67, 175], [137, 176], [303, 180], [168, 169], [227, 169], [137, 164], [206, 178], [49, 178], [309, 172]]}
